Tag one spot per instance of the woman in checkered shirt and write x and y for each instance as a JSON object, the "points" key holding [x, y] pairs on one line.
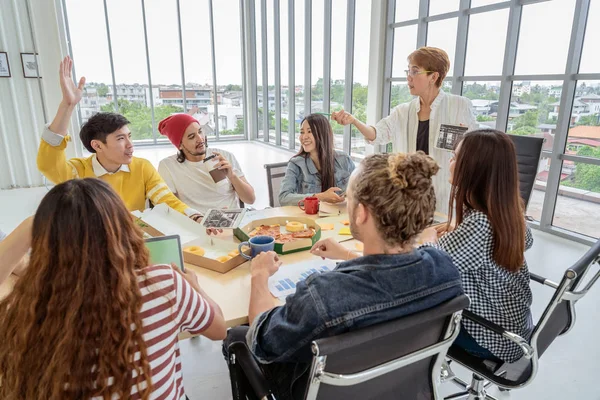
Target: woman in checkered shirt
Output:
{"points": [[488, 243]]}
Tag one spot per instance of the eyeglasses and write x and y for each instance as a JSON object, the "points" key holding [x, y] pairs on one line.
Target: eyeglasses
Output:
{"points": [[415, 72]]}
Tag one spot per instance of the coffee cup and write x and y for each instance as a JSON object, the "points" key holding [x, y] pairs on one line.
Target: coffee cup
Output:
{"points": [[309, 205], [257, 244]]}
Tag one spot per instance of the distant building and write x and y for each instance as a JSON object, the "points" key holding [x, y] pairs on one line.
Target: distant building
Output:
{"points": [[555, 91], [135, 93], [90, 103], [195, 96], [481, 107], [521, 89]]}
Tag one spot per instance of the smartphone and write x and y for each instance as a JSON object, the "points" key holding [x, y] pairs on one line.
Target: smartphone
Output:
{"points": [[341, 193], [165, 250]]}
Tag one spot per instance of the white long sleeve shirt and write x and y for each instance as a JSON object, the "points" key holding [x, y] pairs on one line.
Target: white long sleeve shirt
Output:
{"points": [[401, 126]]}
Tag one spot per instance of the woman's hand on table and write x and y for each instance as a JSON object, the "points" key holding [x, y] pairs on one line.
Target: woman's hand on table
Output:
{"points": [[330, 195], [329, 248]]}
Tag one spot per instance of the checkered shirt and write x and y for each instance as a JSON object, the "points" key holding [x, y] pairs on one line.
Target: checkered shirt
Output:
{"points": [[496, 294]]}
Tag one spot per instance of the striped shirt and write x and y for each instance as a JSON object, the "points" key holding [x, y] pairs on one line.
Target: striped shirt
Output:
{"points": [[170, 306]]}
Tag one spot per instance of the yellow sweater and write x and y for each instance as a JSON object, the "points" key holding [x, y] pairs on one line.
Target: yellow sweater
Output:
{"points": [[141, 183]]}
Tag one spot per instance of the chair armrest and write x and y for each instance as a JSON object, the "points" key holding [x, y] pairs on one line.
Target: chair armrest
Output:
{"points": [[250, 368], [513, 337], [542, 280]]}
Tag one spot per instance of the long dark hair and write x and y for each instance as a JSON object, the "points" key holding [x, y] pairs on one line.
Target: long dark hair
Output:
{"points": [[323, 134], [73, 320], [486, 179]]}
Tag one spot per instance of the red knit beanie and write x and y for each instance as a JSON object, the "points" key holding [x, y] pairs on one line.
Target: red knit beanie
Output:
{"points": [[174, 127]]}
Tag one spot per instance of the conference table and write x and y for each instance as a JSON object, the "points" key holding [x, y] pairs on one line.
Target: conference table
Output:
{"points": [[231, 290]]}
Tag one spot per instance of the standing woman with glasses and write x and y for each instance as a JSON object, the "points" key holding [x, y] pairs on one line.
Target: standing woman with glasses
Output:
{"points": [[415, 125]]}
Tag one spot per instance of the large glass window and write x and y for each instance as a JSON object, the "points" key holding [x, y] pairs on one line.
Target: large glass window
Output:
{"points": [[544, 51], [360, 87], [590, 60], [442, 6], [405, 42], [228, 102], [90, 55], [406, 10], [338, 69], [486, 56], [316, 55], [442, 34], [195, 23], [149, 84]]}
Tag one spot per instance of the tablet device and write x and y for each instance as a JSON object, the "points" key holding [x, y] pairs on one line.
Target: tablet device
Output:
{"points": [[165, 250], [223, 219]]}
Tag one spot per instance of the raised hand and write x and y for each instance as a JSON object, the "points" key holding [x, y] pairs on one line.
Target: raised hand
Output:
{"points": [[71, 94], [342, 117]]}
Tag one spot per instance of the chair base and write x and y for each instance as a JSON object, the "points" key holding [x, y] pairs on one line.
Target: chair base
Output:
{"points": [[476, 390]]}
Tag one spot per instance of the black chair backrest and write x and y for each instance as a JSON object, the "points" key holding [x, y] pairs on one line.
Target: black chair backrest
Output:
{"points": [[275, 174], [562, 317], [528, 150], [369, 347]]}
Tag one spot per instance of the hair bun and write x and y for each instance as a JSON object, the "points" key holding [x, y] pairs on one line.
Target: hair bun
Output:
{"points": [[397, 174], [412, 170]]}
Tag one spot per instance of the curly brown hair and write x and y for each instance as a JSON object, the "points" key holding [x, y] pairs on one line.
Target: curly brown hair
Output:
{"points": [[398, 192], [72, 322]]}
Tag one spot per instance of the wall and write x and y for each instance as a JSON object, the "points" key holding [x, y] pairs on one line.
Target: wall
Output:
{"points": [[23, 113]]}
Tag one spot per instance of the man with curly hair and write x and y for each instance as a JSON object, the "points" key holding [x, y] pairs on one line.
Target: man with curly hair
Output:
{"points": [[390, 201]]}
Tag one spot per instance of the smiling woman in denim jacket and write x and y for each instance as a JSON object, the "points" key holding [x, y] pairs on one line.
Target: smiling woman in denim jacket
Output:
{"points": [[318, 169]]}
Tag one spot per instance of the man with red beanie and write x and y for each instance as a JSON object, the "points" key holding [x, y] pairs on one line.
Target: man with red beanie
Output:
{"points": [[201, 177]]}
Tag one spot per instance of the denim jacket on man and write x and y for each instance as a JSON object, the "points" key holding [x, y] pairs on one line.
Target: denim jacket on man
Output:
{"points": [[303, 179], [358, 293]]}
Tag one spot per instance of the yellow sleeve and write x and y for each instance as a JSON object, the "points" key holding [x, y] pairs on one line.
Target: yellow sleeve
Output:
{"points": [[158, 192], [52, 161]]}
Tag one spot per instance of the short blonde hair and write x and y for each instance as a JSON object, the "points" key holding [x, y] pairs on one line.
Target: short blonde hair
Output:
{"points": [[431, 59], [398, 192]]}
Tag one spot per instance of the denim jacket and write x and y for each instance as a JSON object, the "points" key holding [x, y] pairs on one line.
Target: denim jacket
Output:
{"points": [[302, 178], [358, 293]]}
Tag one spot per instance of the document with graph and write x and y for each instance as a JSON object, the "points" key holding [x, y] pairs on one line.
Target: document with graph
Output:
{"points": [[283, 282]]}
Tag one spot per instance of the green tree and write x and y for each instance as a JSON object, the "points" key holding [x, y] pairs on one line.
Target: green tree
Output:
{"points": [[530, 118], [586, 176], [102, 90], [140, 116], [589, 120], [524, 131], [238, 130], [483, 118]]}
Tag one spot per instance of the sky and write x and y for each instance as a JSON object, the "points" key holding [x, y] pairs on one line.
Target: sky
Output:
{"points": [[543, 40]]}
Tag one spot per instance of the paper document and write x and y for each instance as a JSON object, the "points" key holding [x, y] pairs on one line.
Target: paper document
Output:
{"points": [[283, 282]]}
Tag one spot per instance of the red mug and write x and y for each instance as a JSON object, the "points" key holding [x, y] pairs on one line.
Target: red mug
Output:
{"points": [[311, 205]]}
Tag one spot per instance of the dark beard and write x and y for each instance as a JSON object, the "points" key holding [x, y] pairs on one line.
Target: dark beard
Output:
{"points": [[195, 154]]}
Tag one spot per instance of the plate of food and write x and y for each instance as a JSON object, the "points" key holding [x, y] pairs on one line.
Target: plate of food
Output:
{"points": [[290, 234]]}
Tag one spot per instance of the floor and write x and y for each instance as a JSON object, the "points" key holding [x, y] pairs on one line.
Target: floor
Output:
{"points": [[567, 369]]}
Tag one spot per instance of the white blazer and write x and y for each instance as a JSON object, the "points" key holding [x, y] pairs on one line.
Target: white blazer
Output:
{"points": [[401, 126]]}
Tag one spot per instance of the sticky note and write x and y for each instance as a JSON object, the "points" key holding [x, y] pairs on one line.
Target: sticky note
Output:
{"points": [[346, 223], [327, 227], [345, 231]]}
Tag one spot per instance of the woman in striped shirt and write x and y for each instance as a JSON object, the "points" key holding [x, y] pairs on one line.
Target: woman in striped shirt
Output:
{"points": [[90, 318]]}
